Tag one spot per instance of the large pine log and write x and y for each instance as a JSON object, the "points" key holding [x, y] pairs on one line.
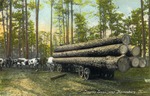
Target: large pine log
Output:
{"points": [[121, 62], [125, 39], [112, 50]]}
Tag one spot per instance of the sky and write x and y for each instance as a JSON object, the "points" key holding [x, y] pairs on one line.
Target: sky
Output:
{"points": [[124, 6]]}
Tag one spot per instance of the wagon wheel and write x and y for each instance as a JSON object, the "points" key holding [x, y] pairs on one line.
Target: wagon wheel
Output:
{"points": [[59, 68], [102, 74], [52, 68], [106, 75], [110, 75], [87, 73], [81, 71]]}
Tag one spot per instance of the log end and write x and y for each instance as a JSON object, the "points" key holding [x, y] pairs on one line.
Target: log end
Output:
{"points": [[123, 64], [136, 51], [135, 62], [143, 63], [126, 39], [123, 49]]}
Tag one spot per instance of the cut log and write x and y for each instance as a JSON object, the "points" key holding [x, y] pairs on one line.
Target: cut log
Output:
{"points": [[58, 76], [133, 51], [135, 61], [121, 62], [143, 63], [125, 39], [136, 51], [112, 50]]}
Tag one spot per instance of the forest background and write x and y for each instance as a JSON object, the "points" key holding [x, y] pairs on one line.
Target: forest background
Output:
{"points": [[33, 28]]}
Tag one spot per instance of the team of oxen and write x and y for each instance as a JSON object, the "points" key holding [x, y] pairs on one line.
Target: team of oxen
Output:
{"points": [[25, 63]]}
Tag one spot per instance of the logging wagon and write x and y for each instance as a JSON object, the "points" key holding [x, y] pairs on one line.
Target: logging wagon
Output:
{"points": [[98, 58]]}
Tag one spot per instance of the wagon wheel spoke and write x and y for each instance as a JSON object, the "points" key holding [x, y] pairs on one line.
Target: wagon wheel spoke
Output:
{"points": [[87, 73], [52, 68], [110, 74], [59, 68], [81, 71], [106, 75]]}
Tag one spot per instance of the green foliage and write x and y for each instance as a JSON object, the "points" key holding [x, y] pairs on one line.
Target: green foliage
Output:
{"points": [[93, 33], [44, 44], [81, 28], [109, 20], [32, 5], [17, 28], [117, 24], [82, 3], [31, 34], [17, 4], [50, 2]]}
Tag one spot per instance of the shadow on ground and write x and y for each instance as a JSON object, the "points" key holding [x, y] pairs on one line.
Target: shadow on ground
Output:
{"points": [[27, 82]]}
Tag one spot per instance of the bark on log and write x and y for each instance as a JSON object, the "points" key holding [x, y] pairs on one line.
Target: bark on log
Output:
{"points": [[125, 39], [58, 76], [121, 63], [112, 50], [133, 51]]}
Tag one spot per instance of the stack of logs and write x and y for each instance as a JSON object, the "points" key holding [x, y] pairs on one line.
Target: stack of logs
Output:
{"points": [[111, 53]]}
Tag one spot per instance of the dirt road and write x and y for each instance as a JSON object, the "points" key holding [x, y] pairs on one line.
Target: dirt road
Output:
{"points": [[25, 82]]}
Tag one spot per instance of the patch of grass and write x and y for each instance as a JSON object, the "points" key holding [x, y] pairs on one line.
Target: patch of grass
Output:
{"points": [[72, 85], [134, 72]]}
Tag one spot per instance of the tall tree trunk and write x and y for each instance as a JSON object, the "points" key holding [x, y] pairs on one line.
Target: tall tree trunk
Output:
{"points": [[23, 29], [60, 42], [37, 21], [149, 30], [3, 20], [143, 31], [19, 40], [27, 48], [104, 34], [51, 33], [64, 29], [63, 23], [10, 30], [72, 22], [110, 16], [100, 35], [67, 21], [7, 29]]}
